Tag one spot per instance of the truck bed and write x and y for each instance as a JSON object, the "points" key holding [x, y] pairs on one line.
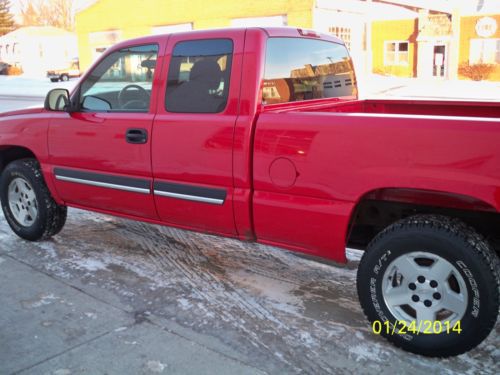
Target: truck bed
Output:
{"points": [[410, 107]]}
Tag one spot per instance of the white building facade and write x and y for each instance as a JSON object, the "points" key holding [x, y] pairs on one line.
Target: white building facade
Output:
{"points": [[37, 49]]}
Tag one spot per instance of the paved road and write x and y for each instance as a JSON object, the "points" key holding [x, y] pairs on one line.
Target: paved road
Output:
{"points": [[113, 296]]}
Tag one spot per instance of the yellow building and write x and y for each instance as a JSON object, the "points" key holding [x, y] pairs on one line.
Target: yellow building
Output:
{"points": [[108, 21], [400, 38], [394, 47], [438, 45], [480, 43]]}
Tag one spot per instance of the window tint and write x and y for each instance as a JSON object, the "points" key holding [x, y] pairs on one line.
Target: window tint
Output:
{"points": [[301, 69], [198, 76], [122, 82]]}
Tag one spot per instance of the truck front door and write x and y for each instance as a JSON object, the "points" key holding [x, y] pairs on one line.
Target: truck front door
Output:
{"points": [[101, 155]]}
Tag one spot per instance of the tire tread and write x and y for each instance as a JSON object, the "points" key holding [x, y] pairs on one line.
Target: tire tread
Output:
{"points": [[475, 242]]}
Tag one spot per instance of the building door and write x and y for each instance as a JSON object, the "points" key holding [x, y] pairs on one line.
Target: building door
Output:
{"points": [[439, 61]]}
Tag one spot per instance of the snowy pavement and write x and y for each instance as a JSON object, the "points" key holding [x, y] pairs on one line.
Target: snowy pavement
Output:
{"points": [[19, 86], [117, 296], [377, 86], [17, 92]]}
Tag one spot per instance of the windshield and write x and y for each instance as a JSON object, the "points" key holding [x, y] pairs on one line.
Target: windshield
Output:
{"points": [[302, 69]]}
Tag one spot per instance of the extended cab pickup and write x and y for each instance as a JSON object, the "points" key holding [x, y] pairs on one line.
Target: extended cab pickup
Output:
{"points": [[259, 134]]}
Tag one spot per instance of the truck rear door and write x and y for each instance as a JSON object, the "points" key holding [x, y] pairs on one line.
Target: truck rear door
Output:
{"points": [[192, 146]]}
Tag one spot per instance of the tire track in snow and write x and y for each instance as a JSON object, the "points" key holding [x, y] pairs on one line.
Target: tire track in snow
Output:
{"points": [[323, 338], [175, 248]]}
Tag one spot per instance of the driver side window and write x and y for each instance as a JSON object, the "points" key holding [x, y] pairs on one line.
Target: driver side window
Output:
{"points": [[122, 82]]}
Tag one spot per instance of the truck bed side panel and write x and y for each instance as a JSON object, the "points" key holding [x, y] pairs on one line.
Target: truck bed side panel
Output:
{"points": [[335, 159]]}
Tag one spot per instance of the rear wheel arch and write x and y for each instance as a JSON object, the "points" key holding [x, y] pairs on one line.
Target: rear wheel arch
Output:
{"points": [[380, 208]]}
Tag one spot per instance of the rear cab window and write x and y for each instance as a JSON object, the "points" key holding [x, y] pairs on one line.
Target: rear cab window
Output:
{"points": [[298, 69], [198, 76]]}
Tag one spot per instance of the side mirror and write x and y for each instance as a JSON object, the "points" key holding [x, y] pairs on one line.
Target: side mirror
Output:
{"points": [[57, 100], [93, 103]]}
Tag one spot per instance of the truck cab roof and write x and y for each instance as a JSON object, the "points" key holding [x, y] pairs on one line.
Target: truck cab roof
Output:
{"points": [[285, 31]]}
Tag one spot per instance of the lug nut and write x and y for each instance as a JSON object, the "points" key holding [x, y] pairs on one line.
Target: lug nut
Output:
{"points": [[421, 279], [415, 298], [433, 284], [428, 303], [437, 295], [412, 286]]}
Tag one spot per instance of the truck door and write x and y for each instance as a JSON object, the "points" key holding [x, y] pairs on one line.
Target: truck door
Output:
{"points": [[193, 131], [101, 154]]}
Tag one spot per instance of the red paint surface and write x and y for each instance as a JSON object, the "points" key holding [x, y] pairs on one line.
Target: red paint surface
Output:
{"points": [[342, 150]]}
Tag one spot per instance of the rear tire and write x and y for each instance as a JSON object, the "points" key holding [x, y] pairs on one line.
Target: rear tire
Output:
{"points": [[64, 78], [27, 205], [430, 269]]}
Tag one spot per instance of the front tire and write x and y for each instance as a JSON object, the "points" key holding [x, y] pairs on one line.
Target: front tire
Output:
{"points": [[27, 205], [430, 285]]}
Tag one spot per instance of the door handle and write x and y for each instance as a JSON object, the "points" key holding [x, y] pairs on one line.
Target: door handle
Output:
{"points": [[136, 136]]}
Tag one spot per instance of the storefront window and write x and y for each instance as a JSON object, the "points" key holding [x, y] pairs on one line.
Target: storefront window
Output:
{"points": [[343, 33], [396, 53], [484, 51]]}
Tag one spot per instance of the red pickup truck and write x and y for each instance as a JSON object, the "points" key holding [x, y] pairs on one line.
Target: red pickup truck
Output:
{"points": [[259, 134]]}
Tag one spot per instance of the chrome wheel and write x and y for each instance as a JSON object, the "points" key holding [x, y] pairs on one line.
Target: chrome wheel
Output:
{"points": [[422, 287], [22, 202]]}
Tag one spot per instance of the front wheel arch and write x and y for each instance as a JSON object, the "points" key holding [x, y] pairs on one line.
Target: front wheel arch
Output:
{"points": [[49, 217], [10, 153]]}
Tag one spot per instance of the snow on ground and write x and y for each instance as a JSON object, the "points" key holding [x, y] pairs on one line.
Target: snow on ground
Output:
{"points": [[29, 86], [17, 92], [283, 312], [377, 86]]}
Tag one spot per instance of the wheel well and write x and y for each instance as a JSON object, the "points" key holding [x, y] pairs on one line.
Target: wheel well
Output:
{"points": [[373, 214], [11, 153]]}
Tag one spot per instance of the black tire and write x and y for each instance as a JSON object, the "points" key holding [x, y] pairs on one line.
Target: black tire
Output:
{"points": [[50, 217], [64, 78], [473, 262], [54, 80]]}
